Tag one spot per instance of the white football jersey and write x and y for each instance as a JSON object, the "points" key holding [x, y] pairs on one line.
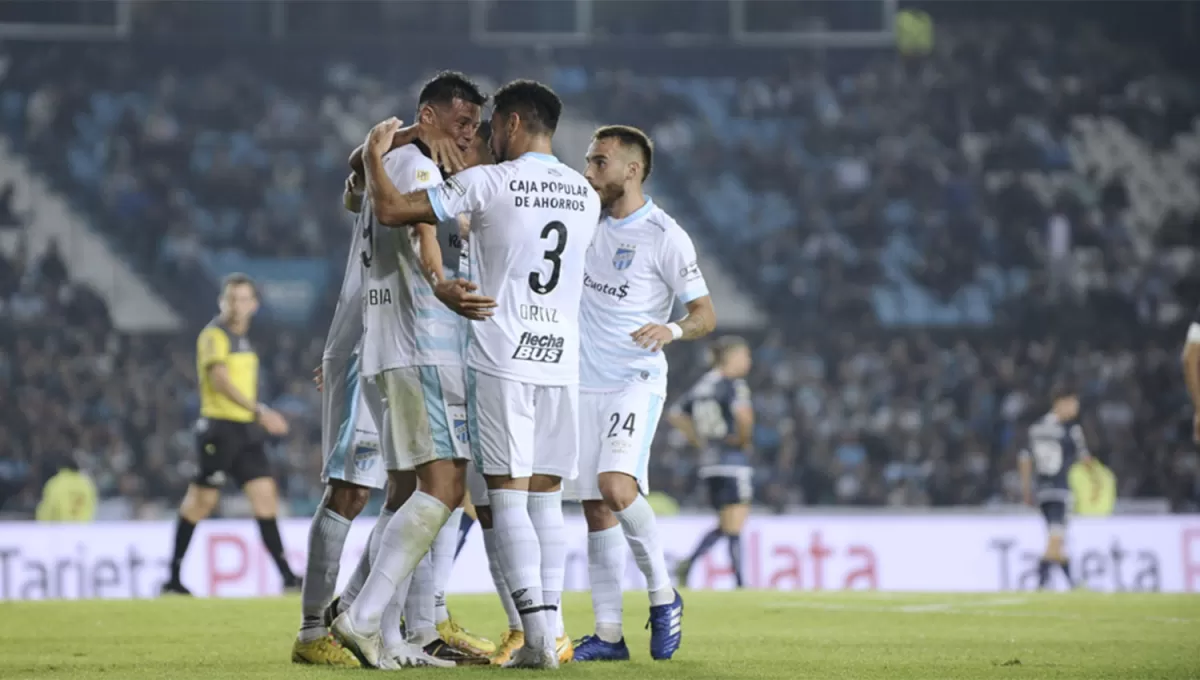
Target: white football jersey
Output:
{"points": [[531, 222], [403, 323], [346, 329], [635, 269]]}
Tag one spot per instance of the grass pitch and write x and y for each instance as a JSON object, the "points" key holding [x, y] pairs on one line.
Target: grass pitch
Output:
{"points": [[727, 636]]}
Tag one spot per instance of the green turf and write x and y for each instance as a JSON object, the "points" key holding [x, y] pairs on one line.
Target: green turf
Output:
{"points": [[728, 636]]}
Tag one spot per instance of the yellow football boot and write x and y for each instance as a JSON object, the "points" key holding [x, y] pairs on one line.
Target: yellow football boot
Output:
{"points": [[511, 641], [460, 638], [565, 649], [324, 651]]}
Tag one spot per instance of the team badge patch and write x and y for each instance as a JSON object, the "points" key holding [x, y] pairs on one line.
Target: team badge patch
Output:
{"points": [[460, 431], [423, 175], [365, 457], [624, 257]]}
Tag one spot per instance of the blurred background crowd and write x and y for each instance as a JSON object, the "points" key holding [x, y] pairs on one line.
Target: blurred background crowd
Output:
{"points": [[937, 230]]}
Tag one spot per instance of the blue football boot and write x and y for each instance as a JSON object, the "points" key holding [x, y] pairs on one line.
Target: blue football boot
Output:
{"points": [[666, 628], [592, 648]]}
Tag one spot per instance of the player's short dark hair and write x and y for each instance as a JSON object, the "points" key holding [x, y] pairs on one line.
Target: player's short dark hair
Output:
{"points": [[723, 345], [628, 135], [238, 279], [1061, 392], [536, 104], [447, 86]]}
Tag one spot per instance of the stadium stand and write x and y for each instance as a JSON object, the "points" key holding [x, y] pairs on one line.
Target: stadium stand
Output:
{"points": [[940, 239]]}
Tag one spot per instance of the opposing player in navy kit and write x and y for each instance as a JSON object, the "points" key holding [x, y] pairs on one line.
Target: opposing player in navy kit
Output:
{"points": [[1055, 444], [717, 418]]}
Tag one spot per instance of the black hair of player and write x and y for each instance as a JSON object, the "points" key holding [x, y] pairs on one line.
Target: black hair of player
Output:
{"points": [[536, 104], [628, 135], [447, 86], [1061, 392], [238, 279]]}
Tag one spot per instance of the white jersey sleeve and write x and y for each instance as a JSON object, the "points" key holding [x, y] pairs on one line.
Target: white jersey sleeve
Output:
{"points": [[531, 222], [678, 267], [404, 324]]}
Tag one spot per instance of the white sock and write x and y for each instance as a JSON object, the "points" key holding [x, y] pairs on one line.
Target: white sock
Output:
{"points": [[560, 628], [418, 608], [442, 555], [389, 625], [493, 555], [641, 530], [326, 538], [363, 569], [546, 513], [521, 558], [606, 566], [405, 541]]}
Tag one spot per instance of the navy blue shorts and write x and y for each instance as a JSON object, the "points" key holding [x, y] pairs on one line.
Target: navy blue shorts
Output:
{"points": [[1055, 513], [726, 490]]}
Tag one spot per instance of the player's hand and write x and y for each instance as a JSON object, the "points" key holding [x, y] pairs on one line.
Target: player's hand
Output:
{"points": [[319, 378], [1196, 428], [272, 422], [652, 336], [379, 140], [442, 148], [457, 295], [352, 196]]}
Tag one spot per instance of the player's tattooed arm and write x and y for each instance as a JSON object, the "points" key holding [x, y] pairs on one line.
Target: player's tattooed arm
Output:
{"points": [[701, 319], [391, 207]]}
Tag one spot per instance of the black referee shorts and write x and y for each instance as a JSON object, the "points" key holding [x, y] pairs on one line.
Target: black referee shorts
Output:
{"points": [[229, 449]]}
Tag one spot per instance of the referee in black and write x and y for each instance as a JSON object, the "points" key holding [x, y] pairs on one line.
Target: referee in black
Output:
{"points": [[230, 431]]}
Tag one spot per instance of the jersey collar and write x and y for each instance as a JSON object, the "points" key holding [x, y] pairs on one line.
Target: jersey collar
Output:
{"points": [[633, 216], [544, 157]]}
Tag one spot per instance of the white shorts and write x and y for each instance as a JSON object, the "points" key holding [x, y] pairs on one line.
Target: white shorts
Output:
{"points": [[426, 417], [615, 433], [349, 438], [519, 430]]}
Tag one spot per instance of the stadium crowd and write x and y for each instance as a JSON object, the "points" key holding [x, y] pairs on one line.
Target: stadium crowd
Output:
{"points": [[936, 250]]}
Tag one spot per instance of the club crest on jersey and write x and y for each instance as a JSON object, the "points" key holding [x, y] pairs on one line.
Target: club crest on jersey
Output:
{"points": [[624, 256], [423, 176], [460, 431]]}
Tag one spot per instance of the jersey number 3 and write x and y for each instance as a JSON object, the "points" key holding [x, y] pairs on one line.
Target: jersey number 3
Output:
{"points": [[553, 256]]}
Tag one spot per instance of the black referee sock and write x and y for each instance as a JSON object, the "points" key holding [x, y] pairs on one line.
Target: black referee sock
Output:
{"points": [[183, 537], [269, 529]]}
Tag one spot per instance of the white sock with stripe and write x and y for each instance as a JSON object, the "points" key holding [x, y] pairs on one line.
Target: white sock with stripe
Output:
{"points": [[521, 558]]}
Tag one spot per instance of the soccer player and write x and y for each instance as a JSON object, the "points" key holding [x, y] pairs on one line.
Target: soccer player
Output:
{"points": [[228, 442], [427, 618], [532, 220], [1055, 443], [639, 263], [717, 418], [1191, 372], [411, 348]]}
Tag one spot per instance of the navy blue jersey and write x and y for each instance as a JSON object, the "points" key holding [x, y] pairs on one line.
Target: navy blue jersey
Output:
{"points": [[1054, 446], [711, 403]]}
